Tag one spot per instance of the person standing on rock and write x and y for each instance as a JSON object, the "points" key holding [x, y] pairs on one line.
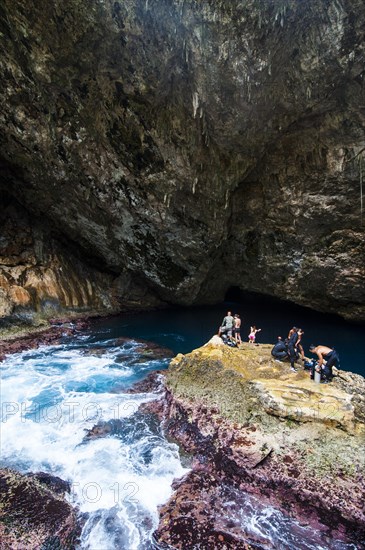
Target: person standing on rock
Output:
{"points": [[252, 335], [299, 344], [227, 325], [237, 329], [291, 332], [327, 358], [292, 344]]}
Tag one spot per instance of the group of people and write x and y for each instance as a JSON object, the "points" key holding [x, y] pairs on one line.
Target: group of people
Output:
{"points": [[292, 349], [289, 349], [230, 330]]}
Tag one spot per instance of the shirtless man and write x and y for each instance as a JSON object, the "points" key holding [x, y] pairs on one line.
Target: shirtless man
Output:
{"points": [[327, 358], [237, 329], [299, 344]]}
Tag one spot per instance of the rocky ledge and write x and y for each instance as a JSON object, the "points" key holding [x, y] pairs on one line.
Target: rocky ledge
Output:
{"points": [[34, 513], [257, 430], [21, 338]]}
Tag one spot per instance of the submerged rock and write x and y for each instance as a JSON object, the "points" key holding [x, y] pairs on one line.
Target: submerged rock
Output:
{"points": [[146, 349], [255, 425]]}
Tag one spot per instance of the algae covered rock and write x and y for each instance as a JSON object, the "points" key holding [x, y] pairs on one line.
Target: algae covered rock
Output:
{"points": [[34, 513], [247, 382]]}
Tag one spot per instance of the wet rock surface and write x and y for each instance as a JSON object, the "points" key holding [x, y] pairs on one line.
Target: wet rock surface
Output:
{"points": [[197, 517], [34, 513], [294, 448], [153, 383], [231, 156]]}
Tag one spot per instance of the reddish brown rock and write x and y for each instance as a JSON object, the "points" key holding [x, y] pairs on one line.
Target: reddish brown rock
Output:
{"points": [[34, 513], [43, 337]]}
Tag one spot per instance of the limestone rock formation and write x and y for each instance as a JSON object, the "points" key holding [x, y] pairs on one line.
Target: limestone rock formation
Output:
{"points": [[180, 148], [255, 427]]}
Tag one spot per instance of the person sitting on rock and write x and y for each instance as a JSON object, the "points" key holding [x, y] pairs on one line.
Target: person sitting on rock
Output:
{"points": [[280, 351], [327, 358]]}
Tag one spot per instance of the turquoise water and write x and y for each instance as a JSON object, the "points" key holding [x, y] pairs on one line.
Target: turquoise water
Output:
{"points": [[53, 396]]}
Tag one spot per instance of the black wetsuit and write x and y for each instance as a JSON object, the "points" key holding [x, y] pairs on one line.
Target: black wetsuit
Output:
{"points": [[332, 360], [279, 351], [291, 349]]}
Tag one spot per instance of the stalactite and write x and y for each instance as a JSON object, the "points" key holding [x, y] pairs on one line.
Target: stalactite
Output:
{"points": [[195, 103], [248, 89], [186, 53], [280, 16], [361, 194], [227, 200]]}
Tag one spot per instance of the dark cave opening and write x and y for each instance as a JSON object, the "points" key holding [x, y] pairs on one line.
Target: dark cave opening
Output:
{"points": [[239, 295], [265, 302]]}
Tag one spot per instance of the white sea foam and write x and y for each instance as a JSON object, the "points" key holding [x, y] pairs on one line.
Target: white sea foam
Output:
{"points": [[52, 397]]}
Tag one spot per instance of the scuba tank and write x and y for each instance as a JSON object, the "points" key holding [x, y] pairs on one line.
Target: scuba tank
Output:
{"points": [[317, 376]]}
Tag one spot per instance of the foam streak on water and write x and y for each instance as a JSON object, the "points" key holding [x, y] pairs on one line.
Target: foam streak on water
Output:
{"points": [[271, 527]]}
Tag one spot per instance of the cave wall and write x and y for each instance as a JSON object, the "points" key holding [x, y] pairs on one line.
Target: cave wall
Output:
{"points": [[297, 219], [42, 277], [187, 147], [39, 277]]}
